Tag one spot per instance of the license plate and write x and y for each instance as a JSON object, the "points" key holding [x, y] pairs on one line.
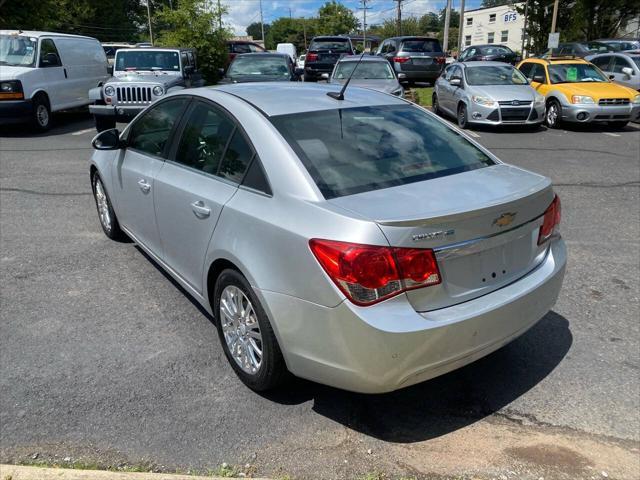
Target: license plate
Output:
{"points": [[422, 61]]}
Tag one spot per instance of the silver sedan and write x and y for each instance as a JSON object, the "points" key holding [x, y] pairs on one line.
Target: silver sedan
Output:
{"points": [[361, 243], [490, 93]]}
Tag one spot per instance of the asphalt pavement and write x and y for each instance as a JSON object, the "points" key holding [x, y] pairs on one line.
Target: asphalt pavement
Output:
{"points": [[104, 358]]}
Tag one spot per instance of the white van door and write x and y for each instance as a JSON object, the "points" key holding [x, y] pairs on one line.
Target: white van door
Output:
{"points": [[54, 77]]}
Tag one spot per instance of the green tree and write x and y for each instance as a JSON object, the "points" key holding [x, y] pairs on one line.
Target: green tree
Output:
{"points": [[255, 30], [594, 19], [539, 23], [335, 19], [191, 26], [494, 3], [430, 22], [454, 19]]}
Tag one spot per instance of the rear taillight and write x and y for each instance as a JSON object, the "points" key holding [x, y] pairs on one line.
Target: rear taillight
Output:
{"points": [[311, 57], [551, 221], [368, 274], [440, 60], [401, 59]]}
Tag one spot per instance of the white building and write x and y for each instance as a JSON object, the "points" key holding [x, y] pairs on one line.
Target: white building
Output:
{"points": [[502, 25]]}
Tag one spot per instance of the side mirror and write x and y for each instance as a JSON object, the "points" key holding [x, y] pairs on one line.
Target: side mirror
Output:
{"points": [[107, 140], [628, 71], [538, 78], [402, 76], [188, 70], [456, 81], [325, 76], [299, 71]]}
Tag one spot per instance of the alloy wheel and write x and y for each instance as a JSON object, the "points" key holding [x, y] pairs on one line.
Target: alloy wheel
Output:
{"points": [[103, 205], [552, 114], [241, 329]]}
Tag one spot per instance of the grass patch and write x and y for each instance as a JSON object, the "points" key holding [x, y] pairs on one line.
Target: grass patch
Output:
{"points": [[423, 96]]}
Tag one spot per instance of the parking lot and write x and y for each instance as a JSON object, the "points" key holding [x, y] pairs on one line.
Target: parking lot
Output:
{"points": [[106, 361]]}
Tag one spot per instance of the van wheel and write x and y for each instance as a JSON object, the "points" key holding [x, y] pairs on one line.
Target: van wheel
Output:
{"points": [[104, 123], [41, 116]]}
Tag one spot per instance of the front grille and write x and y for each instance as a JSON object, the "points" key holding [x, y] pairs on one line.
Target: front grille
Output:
{"points": [[493, 116], [514, 114], [509, 103], [133, 94], [614, 101]]}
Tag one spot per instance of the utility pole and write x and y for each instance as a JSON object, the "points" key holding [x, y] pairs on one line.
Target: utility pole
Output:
{"points": [[555, 16], [219, 16], [399, 17], [149, 17], [289, 13], [461, 27], [524, 30], [447, 19], [262, 23], [364, 9], [304, 30]]}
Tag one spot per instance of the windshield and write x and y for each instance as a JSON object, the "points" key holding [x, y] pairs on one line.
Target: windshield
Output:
{"points": [[365, 71], [574, 73], [353, 150], [636, 60], [598, 47], [497, 75], [333, 45], [621, 46], [17, 51], [421, 45], [258, 65], [137, 60]]}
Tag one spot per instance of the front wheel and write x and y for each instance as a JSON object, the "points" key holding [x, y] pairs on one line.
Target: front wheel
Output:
{"points": [[463, 120], [618, 125], [107, 216], [247, 338], [434, 104], [553, 115], [104, 123], [41, 116]]}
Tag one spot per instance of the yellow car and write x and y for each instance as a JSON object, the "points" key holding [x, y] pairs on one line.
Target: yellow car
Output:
{"points": [[577, 91]]}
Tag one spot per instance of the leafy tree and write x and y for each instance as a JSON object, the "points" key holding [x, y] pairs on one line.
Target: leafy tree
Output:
{"points": [[255, 30], [594, 19], [494, 3], [191, 26], [430, 22], [335, 19], [454, 18], [539, 23]]}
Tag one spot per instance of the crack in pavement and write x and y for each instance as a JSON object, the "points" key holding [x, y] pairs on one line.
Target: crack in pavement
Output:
{"points": [[52, 194]]}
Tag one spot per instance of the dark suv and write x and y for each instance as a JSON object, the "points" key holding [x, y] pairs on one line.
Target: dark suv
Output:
{"points": [[492, 53], [415, 59], [323, 54]]}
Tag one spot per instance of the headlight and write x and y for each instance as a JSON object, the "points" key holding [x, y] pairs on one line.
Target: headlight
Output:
{"points": [[109, 91], [636, 100], [582, 99], [157, 91], [485, 101], [11, 90], [539, 100]]}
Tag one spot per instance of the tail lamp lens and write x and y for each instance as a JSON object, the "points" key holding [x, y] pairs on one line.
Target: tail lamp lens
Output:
{"points": [[440, 60], [368, 274], [311, 57], [551, 221], [401, 59]]}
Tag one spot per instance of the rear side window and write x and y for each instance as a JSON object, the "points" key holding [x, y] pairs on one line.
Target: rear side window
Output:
{"points": [[421, 45], [353, 150], [150, 133]]}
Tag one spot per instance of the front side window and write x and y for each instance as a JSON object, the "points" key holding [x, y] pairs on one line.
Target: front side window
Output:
{"points": [[574, 73], [150, 133], [17, 51], [147, 60], [365, 71], [492, 75], [266, 66], [602, 62], [353, 150], [526, 69], [490, 37], [49, 54], [619, 63]]}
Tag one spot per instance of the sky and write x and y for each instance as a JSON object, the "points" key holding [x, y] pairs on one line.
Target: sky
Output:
{"points": [[244, 12]]}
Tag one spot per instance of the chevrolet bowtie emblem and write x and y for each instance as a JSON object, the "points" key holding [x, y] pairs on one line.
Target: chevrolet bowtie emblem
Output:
{"points": [[505, 219]]}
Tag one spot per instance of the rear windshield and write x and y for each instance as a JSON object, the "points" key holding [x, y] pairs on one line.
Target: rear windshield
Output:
{"points": [[365, 70], [335, 45], [355, 150], [259, 65], [421, 45]]}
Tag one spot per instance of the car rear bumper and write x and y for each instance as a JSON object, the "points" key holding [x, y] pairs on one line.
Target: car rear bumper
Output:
{"points": [[389, 345], [597, 113], [124, 113], [15, 111]]}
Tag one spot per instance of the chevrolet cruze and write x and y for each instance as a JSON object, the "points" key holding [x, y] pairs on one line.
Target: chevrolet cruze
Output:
{"points": [[357, 241]]}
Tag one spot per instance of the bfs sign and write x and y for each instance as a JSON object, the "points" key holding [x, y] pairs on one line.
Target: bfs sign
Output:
{"points": [[510, 17]]}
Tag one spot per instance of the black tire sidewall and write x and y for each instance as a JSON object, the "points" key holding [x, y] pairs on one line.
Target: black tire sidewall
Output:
{"points": [[463, 108], [104, 123], [115, 233], [434, 104], [272, 370], [37, 101]]}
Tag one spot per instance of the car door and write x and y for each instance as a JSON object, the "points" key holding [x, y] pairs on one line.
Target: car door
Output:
{"points": [[538, 72], [449, 97], [148, 142], [201, 175], [53, 75]]}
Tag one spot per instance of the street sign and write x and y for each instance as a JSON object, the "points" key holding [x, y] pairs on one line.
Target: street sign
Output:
{"points": [[554, 40]]}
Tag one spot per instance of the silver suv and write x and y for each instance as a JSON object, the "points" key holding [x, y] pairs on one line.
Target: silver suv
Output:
{"points": [[140, 76]]}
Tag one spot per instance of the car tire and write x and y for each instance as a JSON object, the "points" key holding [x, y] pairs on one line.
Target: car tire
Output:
{"points": [[553, 114], [247, 333], [308, 78], [41, 113], [104, 123], [463, 119], [434, 104], [618, 125], [106, 215]]}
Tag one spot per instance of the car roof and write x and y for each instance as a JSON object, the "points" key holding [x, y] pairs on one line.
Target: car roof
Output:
{"points": [[549, 61], [366, 58], [282, 98], [36, 34]]}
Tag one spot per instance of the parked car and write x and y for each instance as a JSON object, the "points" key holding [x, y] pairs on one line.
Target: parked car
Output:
{"points": [[141, 76], [371, 72], [310, 232], [235, 47], [300, 61], [111, 48], [577, 91], [580, 49], [420, 59], [621, 44], [323, 54], [262, 67], [42, 72], [492, 53], [288, 48], [490, 93], [623, 67]]}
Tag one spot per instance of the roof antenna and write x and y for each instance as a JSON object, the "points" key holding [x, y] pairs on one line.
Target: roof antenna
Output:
{"points": [[340, 95]]}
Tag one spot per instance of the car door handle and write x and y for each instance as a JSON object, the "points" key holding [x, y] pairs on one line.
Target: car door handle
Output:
{"points": [[144, 186], [200, 209], [65, 73]]}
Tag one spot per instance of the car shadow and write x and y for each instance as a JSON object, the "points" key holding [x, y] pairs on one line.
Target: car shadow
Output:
{"points": [[62, 123], [508, 129], [446, 403]]}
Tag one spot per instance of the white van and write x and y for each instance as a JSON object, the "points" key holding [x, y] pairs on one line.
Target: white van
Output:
{"points": [[289, 49], [43, 72]]}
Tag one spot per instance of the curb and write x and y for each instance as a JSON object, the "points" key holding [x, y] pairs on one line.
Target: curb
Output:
{"points": [[19, 472]]}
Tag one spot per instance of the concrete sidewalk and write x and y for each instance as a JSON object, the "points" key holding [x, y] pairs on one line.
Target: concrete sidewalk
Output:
{"points": [[18, 472]]}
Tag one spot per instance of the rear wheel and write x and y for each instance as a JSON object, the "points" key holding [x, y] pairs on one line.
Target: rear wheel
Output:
{"points": [[553, 115], [104, 123], [463, 121], [41, 116], [619, 125], [247, 337]]}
